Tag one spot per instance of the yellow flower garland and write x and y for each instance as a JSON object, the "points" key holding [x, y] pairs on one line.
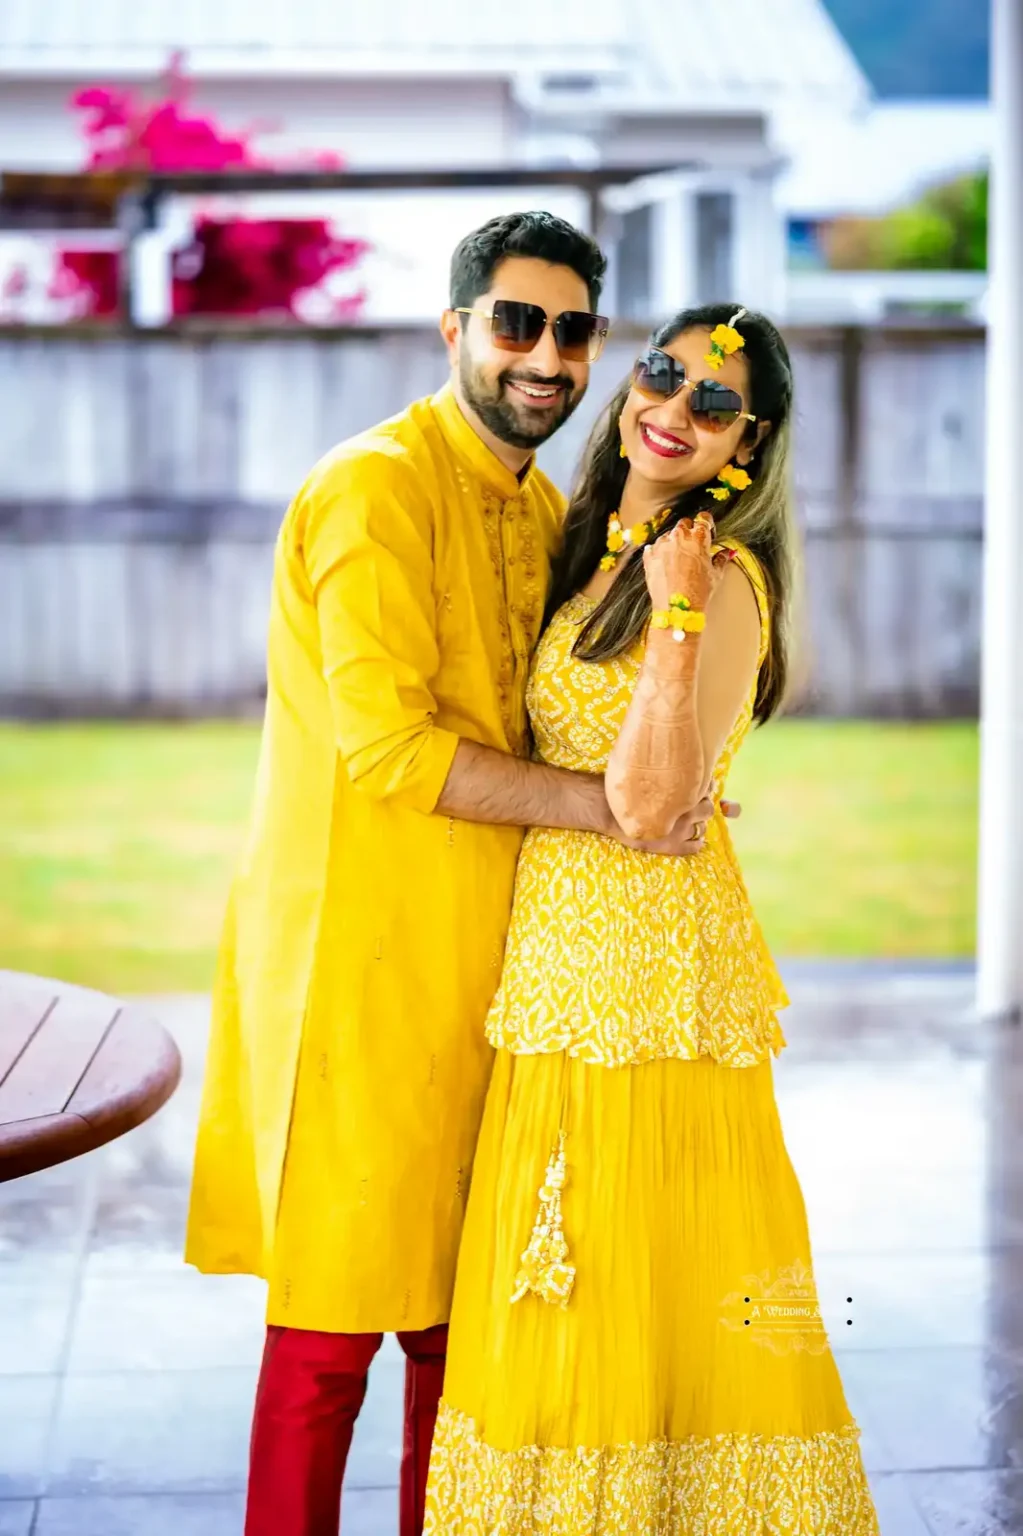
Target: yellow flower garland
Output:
{"points": [[618, 537]]}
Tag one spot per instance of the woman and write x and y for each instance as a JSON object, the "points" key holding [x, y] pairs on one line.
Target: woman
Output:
{"points": [[637, 1347]]}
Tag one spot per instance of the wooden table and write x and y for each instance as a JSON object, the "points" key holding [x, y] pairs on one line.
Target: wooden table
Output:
{"points": [[77, 1069]]}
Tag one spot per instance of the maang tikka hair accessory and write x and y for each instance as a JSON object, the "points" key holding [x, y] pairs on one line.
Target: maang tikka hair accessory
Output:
{"points": [[725, 339]]}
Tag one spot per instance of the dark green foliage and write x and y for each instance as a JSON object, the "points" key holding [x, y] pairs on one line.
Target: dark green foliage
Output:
{"points": [[945, 231]]}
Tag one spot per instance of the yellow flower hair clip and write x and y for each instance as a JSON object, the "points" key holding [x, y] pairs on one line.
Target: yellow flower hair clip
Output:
{"points": [[724, 340]]}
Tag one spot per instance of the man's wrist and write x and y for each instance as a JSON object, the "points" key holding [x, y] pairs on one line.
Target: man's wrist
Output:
{"points": [[595, 813]]}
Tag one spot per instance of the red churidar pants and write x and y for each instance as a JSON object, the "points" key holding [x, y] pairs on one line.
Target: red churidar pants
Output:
{"points": [[311, 1387]]}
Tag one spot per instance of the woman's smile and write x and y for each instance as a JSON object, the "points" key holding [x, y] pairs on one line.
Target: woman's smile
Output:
{"points": [[663, 443]]}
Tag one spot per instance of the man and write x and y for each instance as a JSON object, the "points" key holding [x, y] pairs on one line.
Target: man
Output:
{"points": [[347, 1066]]}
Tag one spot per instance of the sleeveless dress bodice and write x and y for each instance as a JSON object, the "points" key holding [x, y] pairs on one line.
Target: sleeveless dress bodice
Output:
{"points": [[614, 955]]}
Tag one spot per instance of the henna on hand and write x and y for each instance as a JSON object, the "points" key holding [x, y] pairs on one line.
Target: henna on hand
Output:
{"points": [[656, 768]]}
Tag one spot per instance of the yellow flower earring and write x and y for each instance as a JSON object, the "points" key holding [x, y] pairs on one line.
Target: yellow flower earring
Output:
{"points": [[621, 452], [733, 479]]}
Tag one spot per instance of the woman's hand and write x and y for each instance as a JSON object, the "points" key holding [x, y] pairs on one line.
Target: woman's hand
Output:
{"points": [[680, 562], [689, 834], [656, 766]]}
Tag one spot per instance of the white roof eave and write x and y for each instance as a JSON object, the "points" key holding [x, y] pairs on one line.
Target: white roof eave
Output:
{"points": [[263, 64]]}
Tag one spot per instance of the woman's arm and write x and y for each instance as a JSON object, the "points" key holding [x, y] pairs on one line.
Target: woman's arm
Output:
{"points": [[688, 695]]}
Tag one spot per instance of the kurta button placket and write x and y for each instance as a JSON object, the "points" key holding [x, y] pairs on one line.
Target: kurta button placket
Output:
{"points": [[505, 540]]}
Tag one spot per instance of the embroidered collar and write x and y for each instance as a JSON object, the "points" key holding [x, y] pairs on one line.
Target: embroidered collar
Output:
{"points": [[483, 463]]}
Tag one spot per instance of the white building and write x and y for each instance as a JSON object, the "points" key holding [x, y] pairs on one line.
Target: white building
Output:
{"points": [[479, 83]]}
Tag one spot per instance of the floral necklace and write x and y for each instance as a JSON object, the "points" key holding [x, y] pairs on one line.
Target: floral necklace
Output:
{"points": [[619, 539]]}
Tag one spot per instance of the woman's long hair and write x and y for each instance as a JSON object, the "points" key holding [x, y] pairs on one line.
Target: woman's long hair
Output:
{"points": [[762, 517]]}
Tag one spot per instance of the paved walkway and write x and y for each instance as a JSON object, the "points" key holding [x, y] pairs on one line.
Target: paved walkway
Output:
{"points": [[126, 1380]]}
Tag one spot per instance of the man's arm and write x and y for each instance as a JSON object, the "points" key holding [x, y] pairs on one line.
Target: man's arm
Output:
{"points": [[487, 785], [366, 544], [490, 786], [364, 531]]}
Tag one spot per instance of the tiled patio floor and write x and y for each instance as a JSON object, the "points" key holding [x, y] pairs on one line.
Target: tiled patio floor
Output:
{"points": [[126, 1380]]}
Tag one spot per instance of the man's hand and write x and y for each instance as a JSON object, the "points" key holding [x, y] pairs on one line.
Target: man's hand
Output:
{"points": [[689, 833]]}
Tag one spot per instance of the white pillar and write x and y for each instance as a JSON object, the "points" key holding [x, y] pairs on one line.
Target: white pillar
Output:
{"points": [[761, 247], [673, 280], [151, 282], [151, 255], [1000, 876]]}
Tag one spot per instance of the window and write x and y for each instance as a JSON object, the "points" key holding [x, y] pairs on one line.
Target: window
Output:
{"points": [[633, 265], [714, 240]]}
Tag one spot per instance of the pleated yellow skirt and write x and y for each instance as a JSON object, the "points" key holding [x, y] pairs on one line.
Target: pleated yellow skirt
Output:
{"points": [[687, 1386]]}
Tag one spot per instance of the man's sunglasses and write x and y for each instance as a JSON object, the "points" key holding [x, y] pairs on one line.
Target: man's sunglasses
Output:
{"points": [[712, 405], [517, 327]]}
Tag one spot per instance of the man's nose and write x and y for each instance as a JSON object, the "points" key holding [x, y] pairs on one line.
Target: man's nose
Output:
{"points": [[545, 357]]}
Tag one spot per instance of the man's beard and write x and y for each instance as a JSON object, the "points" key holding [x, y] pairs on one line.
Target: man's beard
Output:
{"points": [[515, 424]]}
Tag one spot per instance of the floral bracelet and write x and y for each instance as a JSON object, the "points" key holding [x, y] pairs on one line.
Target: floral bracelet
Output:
{"points": [[678, 617]]}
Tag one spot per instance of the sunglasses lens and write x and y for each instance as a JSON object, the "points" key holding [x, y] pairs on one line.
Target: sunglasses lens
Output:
{"points": [[579, 336], [516, 327], [714, 407], [657, 375]]}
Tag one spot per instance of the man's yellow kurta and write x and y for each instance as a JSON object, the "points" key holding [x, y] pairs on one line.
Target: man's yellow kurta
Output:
{"points": [[364, 935]]}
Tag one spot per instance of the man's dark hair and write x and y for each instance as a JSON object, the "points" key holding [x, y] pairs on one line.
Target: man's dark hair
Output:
{"points": [[538, 234]]}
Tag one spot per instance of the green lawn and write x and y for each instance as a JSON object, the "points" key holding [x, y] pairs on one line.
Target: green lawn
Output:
{"points": [[117, 843]]}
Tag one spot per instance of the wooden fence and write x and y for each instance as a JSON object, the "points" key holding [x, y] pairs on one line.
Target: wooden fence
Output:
{"points": [[143, 478]]}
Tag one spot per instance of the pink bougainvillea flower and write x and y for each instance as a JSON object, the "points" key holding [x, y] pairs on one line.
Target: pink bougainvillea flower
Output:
{"points": [[235, 266], [90, 276], [260, 266], [15, 283]]}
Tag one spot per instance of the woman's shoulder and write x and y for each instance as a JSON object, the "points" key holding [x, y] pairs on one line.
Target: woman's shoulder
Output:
{"points": [[754, 573], [746, 559]]}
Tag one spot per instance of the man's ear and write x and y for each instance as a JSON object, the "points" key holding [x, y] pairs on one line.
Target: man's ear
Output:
{"points": [[451, 330]]}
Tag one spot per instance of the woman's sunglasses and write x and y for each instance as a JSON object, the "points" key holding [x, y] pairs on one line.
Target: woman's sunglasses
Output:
{"points": [[712, 405], [517, 327]]}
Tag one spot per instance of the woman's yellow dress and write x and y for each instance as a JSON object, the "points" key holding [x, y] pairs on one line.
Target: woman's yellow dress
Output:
{"points": [[662, 1367]]}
